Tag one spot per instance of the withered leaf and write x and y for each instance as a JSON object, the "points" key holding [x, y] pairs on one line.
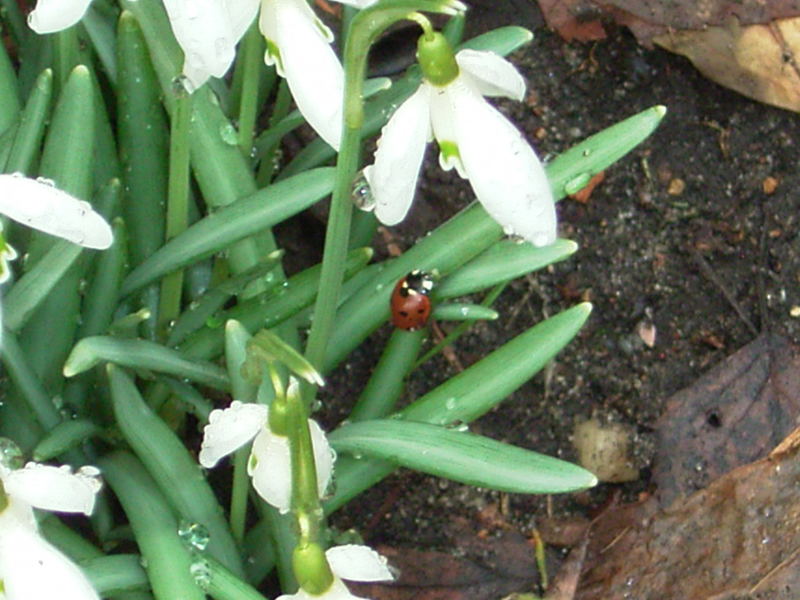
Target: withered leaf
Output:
{"points": [[731, 416], [739, 538]]}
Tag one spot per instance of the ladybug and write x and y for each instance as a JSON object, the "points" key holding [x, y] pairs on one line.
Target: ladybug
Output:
{"points": [[410, 303]]}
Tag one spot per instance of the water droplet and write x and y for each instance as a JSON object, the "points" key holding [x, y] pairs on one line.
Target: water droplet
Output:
{"points": [[201, 573], [450, 404], [10, 454], [194, 534], [228, 134], [361, 193]]}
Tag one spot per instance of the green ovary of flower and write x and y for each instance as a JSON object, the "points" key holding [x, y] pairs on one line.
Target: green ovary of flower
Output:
{"points": [[312, 569], [436, 59]]}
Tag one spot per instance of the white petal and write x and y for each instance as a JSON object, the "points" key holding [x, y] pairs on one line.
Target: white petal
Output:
{"points": [[203, 30], [358, 3], [32, 569], [55, 488], [230, 429], [240, 14], [312, 70], [323, 456], [337, 591], [358, 563], [401, 148], [271, 470], [492, 74], [42, 206], [444, 128], [504, 171], [54, 15]]}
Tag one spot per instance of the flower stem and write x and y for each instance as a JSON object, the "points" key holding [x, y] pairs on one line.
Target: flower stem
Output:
{"points": [[248, 102], [177, 204]]}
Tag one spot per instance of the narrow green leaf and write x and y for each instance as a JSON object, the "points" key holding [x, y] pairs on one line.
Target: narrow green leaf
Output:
{"points": [[503, 261], [116, 573], [28, 140], [270, 309], [461, 456], [602, 149], [476, 390], [64, 436], [35, 286], [386, 384], [204, 308], [100, 301], [176, 473], [10, 104], [155, 527], [142, 354], [464, 312], [243, 218]]}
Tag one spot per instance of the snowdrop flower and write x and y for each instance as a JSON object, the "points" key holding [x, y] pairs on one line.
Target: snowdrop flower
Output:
{"points": [[351, 562], [30, 567], [475, 138], [40, 205], [270, 462], [298, 44], [50, 16]]}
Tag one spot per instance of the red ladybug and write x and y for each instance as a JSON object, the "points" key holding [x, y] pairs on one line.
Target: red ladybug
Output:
{"points": [[410, 303]]}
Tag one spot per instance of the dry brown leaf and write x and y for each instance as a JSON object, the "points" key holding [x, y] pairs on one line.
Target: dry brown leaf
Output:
{"points": [[731, 416], [739, 538], [754, 60]]}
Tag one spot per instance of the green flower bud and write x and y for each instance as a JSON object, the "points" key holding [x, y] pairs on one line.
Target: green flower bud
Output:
{"points": [[436, 58]]}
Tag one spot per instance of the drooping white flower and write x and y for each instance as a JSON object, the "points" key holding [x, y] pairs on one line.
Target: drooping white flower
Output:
{"points": [[298, 44], [269, 464], [351, 562], [50, 16], [40, 205], [30, 567], [475, 138]]}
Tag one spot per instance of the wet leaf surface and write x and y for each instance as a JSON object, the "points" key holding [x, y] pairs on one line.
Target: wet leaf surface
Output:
{"points": [[731, 416]]}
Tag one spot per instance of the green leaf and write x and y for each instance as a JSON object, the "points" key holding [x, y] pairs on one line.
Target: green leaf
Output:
{"points": [[176, 473], [243, 218], [28, 140], [505, 260], [155, 527], [602, 149], [111, 575], [64, 436], [10, 104], [461, 456], [464, 312], [142, 354], [270, 309]]}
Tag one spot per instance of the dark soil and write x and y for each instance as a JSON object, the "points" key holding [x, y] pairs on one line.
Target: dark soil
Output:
{"points": [[680, 235]]}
